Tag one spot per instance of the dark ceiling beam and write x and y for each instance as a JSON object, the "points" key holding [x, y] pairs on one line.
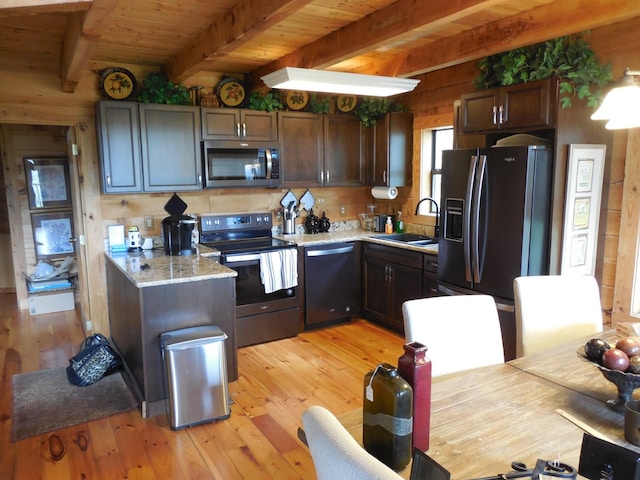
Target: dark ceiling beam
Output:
{"points": [[80, 39], [32, 7], [399, 20], [241, 23], [537, 25]]}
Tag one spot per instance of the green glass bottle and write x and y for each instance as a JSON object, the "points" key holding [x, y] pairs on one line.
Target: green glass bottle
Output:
{"points": [[400, 223], [387, 424]]}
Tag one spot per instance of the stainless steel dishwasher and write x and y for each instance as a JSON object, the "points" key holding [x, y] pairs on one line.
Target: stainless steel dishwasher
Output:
{"points": [[332, 283]]}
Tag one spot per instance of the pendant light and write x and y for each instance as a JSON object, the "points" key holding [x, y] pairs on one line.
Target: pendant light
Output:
{"points": [[291, 78], [621, 106]]}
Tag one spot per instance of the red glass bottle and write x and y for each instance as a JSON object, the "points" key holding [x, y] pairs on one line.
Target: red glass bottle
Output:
{"points": [[415, 367]]}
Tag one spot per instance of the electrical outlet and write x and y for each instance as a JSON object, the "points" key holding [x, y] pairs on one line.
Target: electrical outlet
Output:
{"points": [[148, 222], [343, 210], [320, 200]]}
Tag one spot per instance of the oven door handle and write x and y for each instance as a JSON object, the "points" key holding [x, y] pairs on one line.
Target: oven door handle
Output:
{"points": [[241, 257]]}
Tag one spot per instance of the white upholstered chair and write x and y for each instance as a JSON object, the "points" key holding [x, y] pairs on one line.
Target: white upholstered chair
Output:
{"points": [[336, 455], [555, 309], [461, 331]]}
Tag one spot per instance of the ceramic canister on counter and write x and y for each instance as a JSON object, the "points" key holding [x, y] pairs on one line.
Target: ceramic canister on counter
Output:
{"points": [[387, 421]]}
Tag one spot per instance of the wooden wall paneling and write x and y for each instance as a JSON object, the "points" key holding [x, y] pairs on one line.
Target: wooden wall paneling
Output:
{"points": [[14, 223], [627, 250], [89, 206]]}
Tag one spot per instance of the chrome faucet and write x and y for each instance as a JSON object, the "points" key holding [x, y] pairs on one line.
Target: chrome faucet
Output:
{"points": [[437, 227]]}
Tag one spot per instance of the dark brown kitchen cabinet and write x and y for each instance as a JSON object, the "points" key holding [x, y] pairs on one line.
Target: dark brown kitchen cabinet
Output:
{"points": [[391, 147], [344, 163], [514, 107], [391, 276], [301, 148], [430, 275], [171, 150], [118, 131], [149, 147], [239, 124]]}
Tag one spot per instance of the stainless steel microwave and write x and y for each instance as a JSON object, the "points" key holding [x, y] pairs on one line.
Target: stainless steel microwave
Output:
{"points": [[241, 164]]}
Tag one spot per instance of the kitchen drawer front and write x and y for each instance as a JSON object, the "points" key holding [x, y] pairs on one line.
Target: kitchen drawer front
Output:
{"points": [[430, 263], [395, 255]]}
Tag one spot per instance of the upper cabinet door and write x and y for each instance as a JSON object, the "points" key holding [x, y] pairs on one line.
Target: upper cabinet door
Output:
{"points": [[527, 105], [171, 150], [393, 150], [480, 111], [301, 149], [344, 163], [239, 124], [119, 146]]}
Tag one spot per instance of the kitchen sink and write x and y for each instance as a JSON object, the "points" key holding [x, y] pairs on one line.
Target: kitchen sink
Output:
{"points": [[410, 238]]}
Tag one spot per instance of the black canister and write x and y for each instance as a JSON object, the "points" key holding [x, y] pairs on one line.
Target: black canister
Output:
{"points": [[324, 224], [387, 423], [177, 231], [311, 224]]}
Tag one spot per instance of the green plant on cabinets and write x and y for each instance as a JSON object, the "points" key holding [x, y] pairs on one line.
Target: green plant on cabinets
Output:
{"points": [[570, 58]]}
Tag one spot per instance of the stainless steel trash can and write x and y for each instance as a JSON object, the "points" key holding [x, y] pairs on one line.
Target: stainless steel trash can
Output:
{"points": [[196, 375]]}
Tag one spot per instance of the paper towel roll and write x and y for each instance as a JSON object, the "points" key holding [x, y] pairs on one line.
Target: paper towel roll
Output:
{"points": [[387, 193]]}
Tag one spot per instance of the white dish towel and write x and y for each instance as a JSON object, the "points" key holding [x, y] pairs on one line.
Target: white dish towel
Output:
{"points": [[279, 269]]}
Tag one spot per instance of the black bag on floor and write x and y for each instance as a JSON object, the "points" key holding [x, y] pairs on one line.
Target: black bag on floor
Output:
{"points": [[95, 359]]}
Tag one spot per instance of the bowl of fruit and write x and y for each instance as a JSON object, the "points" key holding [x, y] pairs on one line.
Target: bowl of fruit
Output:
{"points": [[619, 363]]}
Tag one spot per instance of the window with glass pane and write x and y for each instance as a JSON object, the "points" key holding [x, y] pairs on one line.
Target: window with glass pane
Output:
{"points": [[435, 142]]}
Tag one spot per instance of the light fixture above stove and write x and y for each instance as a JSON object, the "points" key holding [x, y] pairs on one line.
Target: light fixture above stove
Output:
{"points": [[292, 78]]}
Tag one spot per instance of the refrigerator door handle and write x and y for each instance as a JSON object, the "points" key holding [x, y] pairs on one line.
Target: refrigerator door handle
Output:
{"points": [[466, 219], [475, 246]]}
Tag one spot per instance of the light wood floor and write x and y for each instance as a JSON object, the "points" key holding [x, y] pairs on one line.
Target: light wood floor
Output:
{"points": [[277, 382]]}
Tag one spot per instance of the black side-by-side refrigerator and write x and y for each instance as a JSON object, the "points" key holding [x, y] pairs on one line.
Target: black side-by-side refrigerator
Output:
{"points": [[496, 210]]}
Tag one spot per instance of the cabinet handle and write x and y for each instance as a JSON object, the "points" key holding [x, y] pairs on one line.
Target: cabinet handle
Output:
{"points": [[501, 120], [503, 114], [244, 129], [108, 179], [390, 274], [495, 115], [327, 183], [200, 179], [238, 129], [384, 176], [321, 176]]}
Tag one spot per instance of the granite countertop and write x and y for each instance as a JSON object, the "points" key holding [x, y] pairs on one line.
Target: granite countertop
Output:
{"points": [[351, 235], [165, 269]]}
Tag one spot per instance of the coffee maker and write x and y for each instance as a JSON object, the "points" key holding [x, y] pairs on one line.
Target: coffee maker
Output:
{"points": [[177, 229]]}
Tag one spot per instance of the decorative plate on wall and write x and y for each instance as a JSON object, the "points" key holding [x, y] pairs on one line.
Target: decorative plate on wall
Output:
{"points": [[117, 83], [231, 92], [296, 99], [346, 103]]}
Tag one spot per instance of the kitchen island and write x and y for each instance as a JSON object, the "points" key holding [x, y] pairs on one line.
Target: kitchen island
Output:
{"points": [[150, 293]]}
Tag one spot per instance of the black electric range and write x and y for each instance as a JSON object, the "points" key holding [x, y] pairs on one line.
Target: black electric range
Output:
{"points": [[261, 316], [245, 233]]}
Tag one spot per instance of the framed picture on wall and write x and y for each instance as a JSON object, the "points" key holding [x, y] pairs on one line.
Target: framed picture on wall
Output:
{"points": [[47, 182], [582, 209], [53, 235]]}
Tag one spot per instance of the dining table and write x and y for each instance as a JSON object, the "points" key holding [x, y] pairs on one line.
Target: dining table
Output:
{"points": [[534, 407]]}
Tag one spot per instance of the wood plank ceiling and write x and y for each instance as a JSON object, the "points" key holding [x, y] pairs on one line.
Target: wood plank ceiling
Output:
{"points": [[254, 37]]}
